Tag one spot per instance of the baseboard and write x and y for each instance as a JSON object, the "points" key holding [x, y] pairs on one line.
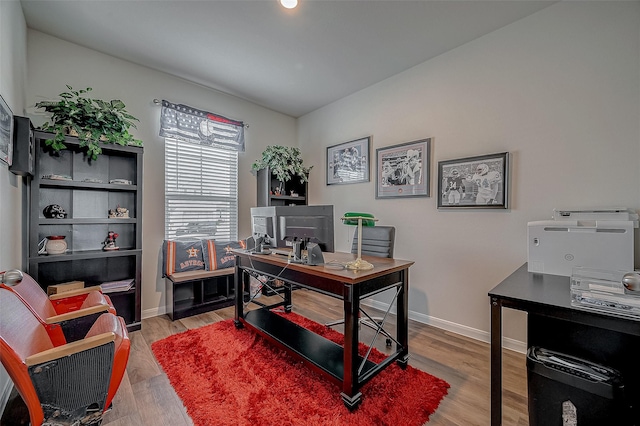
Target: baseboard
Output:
{"points": [[155, 312], [473, 333]]}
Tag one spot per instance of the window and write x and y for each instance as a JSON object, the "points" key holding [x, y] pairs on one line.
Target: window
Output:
{"points": [[201, 172], [201, 191]]}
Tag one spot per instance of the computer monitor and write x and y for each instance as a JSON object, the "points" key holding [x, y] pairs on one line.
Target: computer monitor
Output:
{"points": [[280, 226], [307, 228]]}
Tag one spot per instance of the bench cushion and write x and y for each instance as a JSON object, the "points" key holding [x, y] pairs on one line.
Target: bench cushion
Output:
{"points": [[218, 255], [182, 256]]}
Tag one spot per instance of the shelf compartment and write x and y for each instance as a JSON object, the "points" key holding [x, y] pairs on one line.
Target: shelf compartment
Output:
{"points": [[89, 235], [311, 347], [93, 271], [186, 295], [199, 294], [85, 204], [267, 184], [124, 302]]}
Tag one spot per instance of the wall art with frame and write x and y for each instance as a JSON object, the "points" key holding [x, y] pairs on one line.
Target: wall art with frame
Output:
{"points": [[348, 162], [476, 182], [6, 132], [403, 170]]}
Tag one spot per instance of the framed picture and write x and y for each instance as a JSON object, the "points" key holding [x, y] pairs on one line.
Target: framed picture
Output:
{"points": [[477, 182], [349, 162], [6, 132], [403, 170]]}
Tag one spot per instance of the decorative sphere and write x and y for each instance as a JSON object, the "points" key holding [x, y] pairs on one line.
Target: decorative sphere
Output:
{"points": [[631, 281]]}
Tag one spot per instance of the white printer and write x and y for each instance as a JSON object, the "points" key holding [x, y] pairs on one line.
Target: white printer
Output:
{"points": [[600, 239]]}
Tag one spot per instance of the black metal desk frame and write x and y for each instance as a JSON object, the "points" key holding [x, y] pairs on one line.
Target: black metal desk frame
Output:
{"points": [[554, 324], [343, 365]]}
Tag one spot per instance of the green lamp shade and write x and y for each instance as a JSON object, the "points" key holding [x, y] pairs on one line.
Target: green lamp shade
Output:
{"points": [[351, 218]]}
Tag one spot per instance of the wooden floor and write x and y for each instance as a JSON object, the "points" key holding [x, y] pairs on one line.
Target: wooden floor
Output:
{"points": [[146, 397]]}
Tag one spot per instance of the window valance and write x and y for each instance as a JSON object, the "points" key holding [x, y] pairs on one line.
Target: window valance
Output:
{"points": [[192, 125]]}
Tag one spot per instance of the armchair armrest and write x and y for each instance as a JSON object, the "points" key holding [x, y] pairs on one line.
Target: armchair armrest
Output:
{"points": [[77, 314], [70, 349], [73, 293]]}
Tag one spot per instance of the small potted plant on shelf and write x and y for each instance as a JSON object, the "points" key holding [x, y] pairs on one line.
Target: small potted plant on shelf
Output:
{"points": [[284, 162], [91, 120]]}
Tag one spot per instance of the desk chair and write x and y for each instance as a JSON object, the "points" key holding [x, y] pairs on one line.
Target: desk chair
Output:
{"points": [[377, 241]]}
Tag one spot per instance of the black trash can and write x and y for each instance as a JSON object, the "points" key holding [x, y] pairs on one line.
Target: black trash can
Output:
{"points": [[568, 391]]}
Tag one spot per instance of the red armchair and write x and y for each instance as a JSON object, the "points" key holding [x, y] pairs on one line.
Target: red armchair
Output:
{"points": [[62, 383]]}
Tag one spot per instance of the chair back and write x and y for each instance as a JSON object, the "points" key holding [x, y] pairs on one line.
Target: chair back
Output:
{"points": [[34, 296], [377, 241], [21, 335]]}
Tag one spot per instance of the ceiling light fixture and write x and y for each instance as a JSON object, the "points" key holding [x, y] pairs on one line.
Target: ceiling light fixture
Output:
{"points": [[289, 4]]}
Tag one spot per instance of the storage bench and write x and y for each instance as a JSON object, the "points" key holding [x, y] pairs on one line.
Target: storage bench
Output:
{"points": [[194, 292]]}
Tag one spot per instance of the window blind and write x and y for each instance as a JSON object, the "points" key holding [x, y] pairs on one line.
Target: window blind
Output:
{"points": [[201, 191]]}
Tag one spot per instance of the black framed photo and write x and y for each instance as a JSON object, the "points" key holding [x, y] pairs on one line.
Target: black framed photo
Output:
{"points": [[348, 162], [403, 170], [476, 182], [6, 132]]}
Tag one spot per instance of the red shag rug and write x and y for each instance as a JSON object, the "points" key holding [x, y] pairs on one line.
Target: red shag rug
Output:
{"points": [[227, 376]]}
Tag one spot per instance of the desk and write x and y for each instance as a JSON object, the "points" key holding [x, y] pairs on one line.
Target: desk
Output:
{"points": [[554, 324], [342, 365]]}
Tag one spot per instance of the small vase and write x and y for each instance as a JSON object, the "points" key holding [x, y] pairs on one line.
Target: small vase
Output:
{"points": [[56, 244]]}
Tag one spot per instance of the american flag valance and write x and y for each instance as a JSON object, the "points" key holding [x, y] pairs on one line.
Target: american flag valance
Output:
{"points": [[192, 125]]}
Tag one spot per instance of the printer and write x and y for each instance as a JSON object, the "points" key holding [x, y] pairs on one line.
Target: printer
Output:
{"points": [[599, 238]]}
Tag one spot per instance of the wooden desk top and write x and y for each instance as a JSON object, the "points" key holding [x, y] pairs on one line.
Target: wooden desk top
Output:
{"points": [[381, 265]]}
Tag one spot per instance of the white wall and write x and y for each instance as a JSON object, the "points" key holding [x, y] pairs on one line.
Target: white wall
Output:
{"points": [[13, 74], [559, 90], [54, 63]]}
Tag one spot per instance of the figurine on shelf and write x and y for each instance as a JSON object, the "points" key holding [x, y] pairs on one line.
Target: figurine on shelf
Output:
{"points": [[119, 213], [109, 243]]}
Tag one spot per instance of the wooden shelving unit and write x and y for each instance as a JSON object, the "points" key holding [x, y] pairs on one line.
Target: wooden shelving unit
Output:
{"points": [[87, 204], [268, 196]]}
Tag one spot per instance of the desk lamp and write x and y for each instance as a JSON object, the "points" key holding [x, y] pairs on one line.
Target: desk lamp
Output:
{"points": [[359, 219]]}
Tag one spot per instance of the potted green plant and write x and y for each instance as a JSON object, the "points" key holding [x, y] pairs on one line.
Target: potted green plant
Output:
{"points": [[284, 162], [91, 120]]}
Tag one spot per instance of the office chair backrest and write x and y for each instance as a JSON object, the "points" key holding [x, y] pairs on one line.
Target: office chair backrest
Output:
{"points": [[376, 241]]}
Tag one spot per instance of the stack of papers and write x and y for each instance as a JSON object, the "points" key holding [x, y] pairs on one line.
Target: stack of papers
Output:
{"points": [[113, 286]]}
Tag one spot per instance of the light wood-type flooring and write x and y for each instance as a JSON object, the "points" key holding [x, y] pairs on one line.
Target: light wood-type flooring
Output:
{"points": [[146, 397]]}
